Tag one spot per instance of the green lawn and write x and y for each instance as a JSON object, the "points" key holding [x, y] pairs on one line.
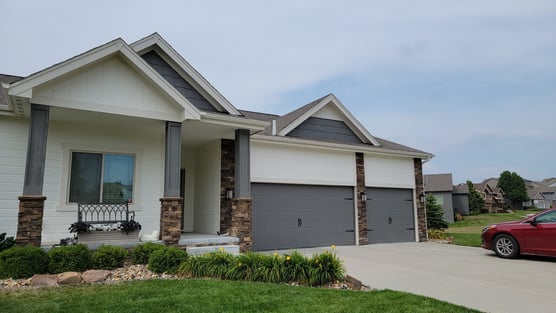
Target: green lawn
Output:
{"points": [[468, 231], [213, 296]]}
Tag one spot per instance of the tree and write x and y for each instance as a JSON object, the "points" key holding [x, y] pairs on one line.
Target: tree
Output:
{"points": [[476, 201], [435, 214], [514, 188]]}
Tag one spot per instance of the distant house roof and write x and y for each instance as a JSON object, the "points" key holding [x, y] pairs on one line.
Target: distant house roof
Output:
{"points": [[438, 182], [461, 189]]}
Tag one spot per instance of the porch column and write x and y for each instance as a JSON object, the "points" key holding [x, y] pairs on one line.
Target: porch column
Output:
{"points": [[31, 203], [420, 190], [242, 202], [171, 204], [361, 205]]}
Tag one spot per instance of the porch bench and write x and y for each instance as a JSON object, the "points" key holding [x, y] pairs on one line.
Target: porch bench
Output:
{"points": [[104, 213]]}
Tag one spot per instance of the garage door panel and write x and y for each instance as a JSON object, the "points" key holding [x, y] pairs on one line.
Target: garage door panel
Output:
{"points": [[390, 216], [295, 216]]}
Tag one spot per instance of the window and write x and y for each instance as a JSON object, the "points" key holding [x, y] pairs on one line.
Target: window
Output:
{"points": [[101, 178], [439, 200]]}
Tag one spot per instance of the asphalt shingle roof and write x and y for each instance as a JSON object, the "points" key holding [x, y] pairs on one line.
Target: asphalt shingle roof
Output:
{"points": [[438, 182]]}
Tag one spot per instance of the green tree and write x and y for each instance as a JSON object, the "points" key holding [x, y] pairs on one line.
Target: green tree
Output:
{"points": [[476, 201], [435, 214], [514, 189]]}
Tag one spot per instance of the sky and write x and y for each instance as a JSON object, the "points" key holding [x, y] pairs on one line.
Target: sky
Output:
{"points": [[472, 82]]}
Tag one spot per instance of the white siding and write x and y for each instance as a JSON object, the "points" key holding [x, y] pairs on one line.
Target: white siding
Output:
{"points": [[207, 188], [143, 138], [110, 86], [13, 152], [329, 112], [273, 163], [389, 171]]}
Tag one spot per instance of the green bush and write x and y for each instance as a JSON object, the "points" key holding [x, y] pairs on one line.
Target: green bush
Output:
{"points": [[142, 252], [296, 268], [109, 257], [322, 269], [166, 260], [22, 262], [6, 242], [325, 268], [76, 258]]}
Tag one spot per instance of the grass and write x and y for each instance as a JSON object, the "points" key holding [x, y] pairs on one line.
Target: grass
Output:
{"points": [[468, 231], [213, 296]]}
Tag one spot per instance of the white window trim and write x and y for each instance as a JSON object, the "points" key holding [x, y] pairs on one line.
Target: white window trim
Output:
{"points": [[68, 148]]}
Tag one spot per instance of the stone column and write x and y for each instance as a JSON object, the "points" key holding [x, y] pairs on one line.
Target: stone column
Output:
{"points": [[227, 182], [361, 205], [419, 191], [29, 227], [170, 220], [241, 222]]}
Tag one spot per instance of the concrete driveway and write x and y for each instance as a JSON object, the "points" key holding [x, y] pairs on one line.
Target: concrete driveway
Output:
{"points": [[472, 277]]}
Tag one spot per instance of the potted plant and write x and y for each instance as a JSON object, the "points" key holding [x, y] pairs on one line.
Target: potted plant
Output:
{"points": [[80, 227], [129, 226]]}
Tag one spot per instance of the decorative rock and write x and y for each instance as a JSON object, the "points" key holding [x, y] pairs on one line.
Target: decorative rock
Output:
{"points": [[41, 280], [69, 278], [95, 276]]}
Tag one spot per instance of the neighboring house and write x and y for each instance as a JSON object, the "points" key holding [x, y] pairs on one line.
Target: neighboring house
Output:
{"points": [[460, 198], [494, 196], [136, 122], [441, 187], [542, 195]]}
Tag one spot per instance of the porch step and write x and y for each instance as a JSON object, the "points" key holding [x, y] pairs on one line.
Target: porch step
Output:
{"points": [[233, 249], [194, 239]]}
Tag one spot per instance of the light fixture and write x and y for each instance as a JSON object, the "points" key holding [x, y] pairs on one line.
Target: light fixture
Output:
{"points": [[363, 196], [229, 193], [422, 198]]}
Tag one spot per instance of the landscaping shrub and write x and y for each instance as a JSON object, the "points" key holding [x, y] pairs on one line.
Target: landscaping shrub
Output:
{"points": [[438, 234], [320, 270], [22, 262], [166, 260], [325, 268], [75, 258], [142, 252], [109, 257], [296, 268], [6, 242]]}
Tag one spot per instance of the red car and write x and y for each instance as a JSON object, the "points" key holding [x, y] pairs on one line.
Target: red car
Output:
{"points": [[533, 235]]}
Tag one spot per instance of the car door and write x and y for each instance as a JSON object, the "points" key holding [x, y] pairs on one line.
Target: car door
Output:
{"points": [[542, 240]]}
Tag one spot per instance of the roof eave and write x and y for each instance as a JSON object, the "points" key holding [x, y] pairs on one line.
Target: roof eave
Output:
{"points": [[339, 146]]}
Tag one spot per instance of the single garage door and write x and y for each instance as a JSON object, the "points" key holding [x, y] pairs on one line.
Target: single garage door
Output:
{"points": [[297, 216], [390, 215]]}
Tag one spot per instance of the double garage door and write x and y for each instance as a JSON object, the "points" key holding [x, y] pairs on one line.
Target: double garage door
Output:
{"points": [[297, 216]]}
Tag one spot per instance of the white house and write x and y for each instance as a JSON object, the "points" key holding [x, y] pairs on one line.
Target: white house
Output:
{"points": [[136, 123]]}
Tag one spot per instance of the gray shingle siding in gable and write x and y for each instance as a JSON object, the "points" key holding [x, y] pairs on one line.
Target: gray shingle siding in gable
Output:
{"points": [[181, 85], [326, 130]]}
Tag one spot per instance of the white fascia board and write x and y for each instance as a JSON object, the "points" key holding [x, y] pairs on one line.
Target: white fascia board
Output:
{"points": [[236, 122], [289, 141], [24, 87], [156, 39], [354, 124]]}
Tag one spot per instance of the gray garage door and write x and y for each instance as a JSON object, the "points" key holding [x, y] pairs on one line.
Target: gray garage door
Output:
{"points": [[296, 216], [390, 215]]}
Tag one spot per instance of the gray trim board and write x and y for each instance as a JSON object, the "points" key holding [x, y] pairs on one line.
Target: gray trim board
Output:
{"points": [[242, 170], [172, 162], [36, 150]]}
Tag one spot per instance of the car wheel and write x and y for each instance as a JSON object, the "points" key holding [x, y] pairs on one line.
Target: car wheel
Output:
{"points": [[505, 246]]}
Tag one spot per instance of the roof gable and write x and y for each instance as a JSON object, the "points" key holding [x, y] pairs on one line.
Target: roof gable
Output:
{"points": [[438, 182], [180, 65], [327, 106], [23, 89]]}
